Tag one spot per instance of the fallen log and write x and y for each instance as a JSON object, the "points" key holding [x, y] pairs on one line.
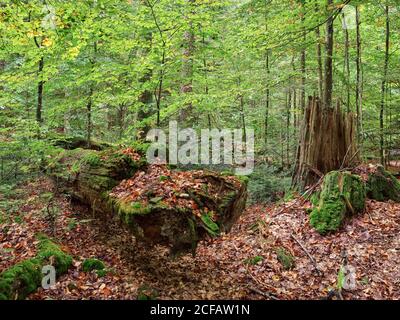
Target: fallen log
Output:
{"points": [[158, 205]]}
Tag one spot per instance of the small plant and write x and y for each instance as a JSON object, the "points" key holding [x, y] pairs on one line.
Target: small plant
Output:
{"points": [[285, 258], [147, 293], [72, 223], [92, 159], [253, 261]]}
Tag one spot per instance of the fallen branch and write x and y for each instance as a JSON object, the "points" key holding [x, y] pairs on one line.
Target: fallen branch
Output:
{"points": [[308, 254], [262, 293]]}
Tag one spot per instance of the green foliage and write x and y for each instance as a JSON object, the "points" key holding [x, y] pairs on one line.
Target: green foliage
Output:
{"points": [[285, 258], [92, 159], [253, 261], [211, 227], [267, 184], [92, 264]]}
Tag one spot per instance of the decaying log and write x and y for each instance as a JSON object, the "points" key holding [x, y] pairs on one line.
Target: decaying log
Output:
{"points": [[158, 205], [327, 143]]}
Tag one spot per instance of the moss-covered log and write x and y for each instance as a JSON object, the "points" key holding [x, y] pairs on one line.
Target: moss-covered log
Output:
{"points": [[25, 277], [158, 205], [382, 185], [343, 194]]}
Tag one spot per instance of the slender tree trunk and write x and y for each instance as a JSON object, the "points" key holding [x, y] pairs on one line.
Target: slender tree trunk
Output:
{"points": [[329, 59], [160, 88], [384, 80], [89, 118], [288, 106], [358, 77], [267, 89], [303, 64], [39, 106], [346, 60], [187, 66], [319, 58]]}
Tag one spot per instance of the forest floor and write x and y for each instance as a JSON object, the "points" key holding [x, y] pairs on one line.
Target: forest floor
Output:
{"points": [[240, 265]]}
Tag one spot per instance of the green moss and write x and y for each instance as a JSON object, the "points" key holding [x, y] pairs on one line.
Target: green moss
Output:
{"points": [[20, 280], [383, 186], [211, 227], [23, 278], [101, 273], [93, 159], [342, 194], [92, 264], [328, 217], [48, 249], [285, 258]]}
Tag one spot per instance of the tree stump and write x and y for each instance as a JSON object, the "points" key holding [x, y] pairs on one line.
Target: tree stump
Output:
{"points": [[327, 143], [343, 194]]}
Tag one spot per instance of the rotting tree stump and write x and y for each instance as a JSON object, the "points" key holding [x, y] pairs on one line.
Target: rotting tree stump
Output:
{"points": [[158, 205], [327, 143], [342, 195]]}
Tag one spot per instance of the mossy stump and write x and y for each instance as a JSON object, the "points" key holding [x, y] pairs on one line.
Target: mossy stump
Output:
{"points": [[382, 185], [343, 194]]}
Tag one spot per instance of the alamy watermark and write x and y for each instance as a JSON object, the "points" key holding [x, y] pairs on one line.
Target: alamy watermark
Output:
{"points": [[49, 278], [212, 146]]}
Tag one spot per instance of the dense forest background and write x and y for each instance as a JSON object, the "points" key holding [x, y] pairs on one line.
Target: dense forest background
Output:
{"points": [[110, 70]]}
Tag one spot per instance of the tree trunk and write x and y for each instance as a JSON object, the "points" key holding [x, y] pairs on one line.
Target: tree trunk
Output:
{"points": [[383, 89], [329, 59], [358, 76], [319, 58], [39, 106]]}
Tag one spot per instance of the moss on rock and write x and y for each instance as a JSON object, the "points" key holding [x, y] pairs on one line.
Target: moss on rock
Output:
{"points": [[342, 194]]}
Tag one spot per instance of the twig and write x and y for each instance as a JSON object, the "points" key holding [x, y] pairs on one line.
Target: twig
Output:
{"points": [[308, 254], [265, 294]]}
